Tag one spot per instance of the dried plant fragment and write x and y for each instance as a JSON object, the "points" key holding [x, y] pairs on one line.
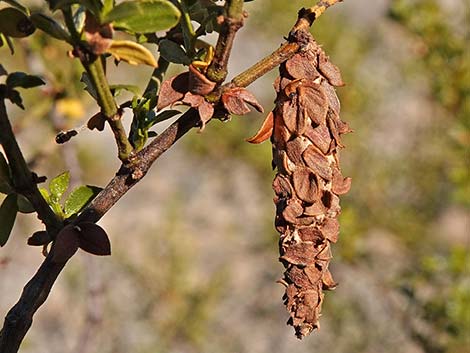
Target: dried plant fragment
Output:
{"points": [[236, 101], [329, 70], [265, 131], [306, 134], [188, 88]]}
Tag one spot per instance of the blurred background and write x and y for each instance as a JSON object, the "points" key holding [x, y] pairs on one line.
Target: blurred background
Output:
{"points": [[194, 261]]}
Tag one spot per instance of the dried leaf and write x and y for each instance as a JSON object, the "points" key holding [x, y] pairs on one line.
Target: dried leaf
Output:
{"points": [[206, 110], [193, 100], [305, 184], [317, 162], [320, 136], [329, 70], [314, 275], [289, 114], [297, 276], [316, 209], [330, 92], [280, 132], [199, 83], [311, 234], [294, 150], [281, 186], [293, 210], [236, 101], [300, 254], [330, 229], [265, 131], [328, 281], [173, 90], [300, 66], [340, 185], [314, 102]]}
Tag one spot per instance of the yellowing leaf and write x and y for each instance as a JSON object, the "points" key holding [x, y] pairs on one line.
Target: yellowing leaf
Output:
{"points": [[131, 52]]}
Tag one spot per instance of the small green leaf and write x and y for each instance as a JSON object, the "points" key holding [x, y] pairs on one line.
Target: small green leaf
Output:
{"points": [[23, 80], [79, 18], [79, 198], [15, 23], [59, 185], [131, 52], [117, 89], [8, 211], [89, 85], [24, 206], [45, 195], [50, 26], [145, 16], [173, 52]]}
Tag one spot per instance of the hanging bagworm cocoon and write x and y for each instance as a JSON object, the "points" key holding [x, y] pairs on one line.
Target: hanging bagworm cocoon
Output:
{"points": [[305, 130]]}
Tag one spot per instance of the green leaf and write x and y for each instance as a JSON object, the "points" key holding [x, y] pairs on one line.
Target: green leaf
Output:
{"points": [[117, 89], [89, 85], [24, 206], [8, 211], [79, 18], [79, 198], [173, 52], [23, 80], [107, 5], [146, 16], [50, 26], [131, 52], [15, 23], [45, 195], [59, 185]]}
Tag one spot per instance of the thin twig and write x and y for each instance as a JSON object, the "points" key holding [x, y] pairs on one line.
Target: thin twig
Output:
{"points": [[217, 71], [94, 67]]}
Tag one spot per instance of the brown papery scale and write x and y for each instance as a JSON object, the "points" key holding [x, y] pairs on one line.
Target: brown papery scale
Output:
{"points": [[305, 130]]}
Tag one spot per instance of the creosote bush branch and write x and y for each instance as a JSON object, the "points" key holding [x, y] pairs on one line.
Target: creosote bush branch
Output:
{"points": [[90, 44]]}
